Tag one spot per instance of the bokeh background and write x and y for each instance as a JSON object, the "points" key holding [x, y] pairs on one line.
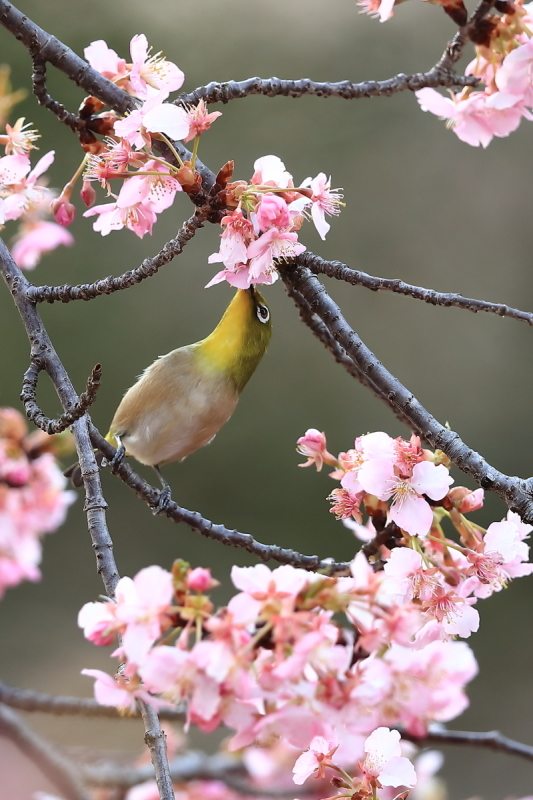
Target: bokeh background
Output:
{"points": [[420, 205]]}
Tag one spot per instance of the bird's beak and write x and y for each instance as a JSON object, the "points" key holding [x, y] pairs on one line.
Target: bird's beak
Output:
{"points": [[252, 292]]}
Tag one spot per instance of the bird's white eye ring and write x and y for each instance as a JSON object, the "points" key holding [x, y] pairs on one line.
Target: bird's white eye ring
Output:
{"points": [[263, 314]]}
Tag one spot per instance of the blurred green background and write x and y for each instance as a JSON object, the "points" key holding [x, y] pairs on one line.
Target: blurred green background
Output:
{"points": [[420, 205]]}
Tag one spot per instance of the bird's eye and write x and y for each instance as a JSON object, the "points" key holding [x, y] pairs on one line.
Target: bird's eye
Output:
{"points": [[263, 314]]}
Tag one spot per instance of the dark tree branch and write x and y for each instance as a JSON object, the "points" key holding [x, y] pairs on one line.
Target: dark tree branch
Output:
{"points": [[149, 267], [339, 353], [47, 48], [38, 80], [491, 740], [95, 505], [191, 766], [34, 412], [30, 700], [341, 272], [517, 493], [442, 74], [209, 529], [58, 769], [215, 92]]}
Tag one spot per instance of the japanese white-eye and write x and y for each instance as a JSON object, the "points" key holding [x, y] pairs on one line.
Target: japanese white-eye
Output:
{"points": [[181, 401]]}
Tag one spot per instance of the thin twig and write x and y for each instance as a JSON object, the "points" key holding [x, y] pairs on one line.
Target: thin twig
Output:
{"points": [[149, 267], [34, 412], [517, 493], [191, 766], [95, 504], [491, 740], [211, 530], [59, 705], [341, 272], [339, 353], [38, 80], [215, 92], [48, 48], [58, 769]]}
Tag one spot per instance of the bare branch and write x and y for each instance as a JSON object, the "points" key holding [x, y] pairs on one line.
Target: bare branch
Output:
{"points": [[193, 765], [215, 92], [211, 530], [338, 270], [30, 700], [95, 505], [38, 80], [58, 769], [47, 48], [491, 740], [517, 493], [339, 353], [36, 415], [149, 267]]}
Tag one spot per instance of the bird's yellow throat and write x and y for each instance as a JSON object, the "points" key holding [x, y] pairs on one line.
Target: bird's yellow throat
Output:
{"points": [[240, 339]]}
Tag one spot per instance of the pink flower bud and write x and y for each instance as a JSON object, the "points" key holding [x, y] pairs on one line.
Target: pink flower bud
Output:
{"points": [[200, 580], [87, 193], [464, 500], [63, 211]]}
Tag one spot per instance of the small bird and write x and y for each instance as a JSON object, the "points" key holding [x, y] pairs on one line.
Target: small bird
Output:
{"points": [[181, 401]]}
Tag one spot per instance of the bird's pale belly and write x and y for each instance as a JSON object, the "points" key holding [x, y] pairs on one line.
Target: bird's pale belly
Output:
{"points": [[180, 426]]}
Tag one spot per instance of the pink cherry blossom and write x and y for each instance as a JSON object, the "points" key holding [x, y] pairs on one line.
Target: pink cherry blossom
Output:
{"points": [[514, 75], [478, 117], [263, 588], [155, 116], [152, 71], [313, 447], [384, 761], [270, 171], [19, 138], [367, 448], [119, 693], [409, 509], [200, 120], [264, 251], [139, 215], [237, 235], [104, 60], [157, 189], [324, 201], [272, 212], [405, 568], [315, 760], [38, 238], [14, 168], [378, 8]]}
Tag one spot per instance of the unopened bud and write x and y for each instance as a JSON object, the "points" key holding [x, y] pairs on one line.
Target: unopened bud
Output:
{"points": [[63, 211], [200, 580], [88, 194]]}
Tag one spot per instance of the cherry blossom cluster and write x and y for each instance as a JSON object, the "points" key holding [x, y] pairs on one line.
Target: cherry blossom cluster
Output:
{"points": [[33, 499], [264, 223], [264, 216], [24, 197], [405, 492], [275, 664], [148, 182], [503, 63]]}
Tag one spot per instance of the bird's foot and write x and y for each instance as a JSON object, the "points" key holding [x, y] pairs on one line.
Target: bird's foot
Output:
{"points": [[163, 501], [117, 459]]}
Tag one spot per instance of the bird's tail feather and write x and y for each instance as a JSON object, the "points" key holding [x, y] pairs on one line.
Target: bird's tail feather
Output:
{"points": [[74, 471]]}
